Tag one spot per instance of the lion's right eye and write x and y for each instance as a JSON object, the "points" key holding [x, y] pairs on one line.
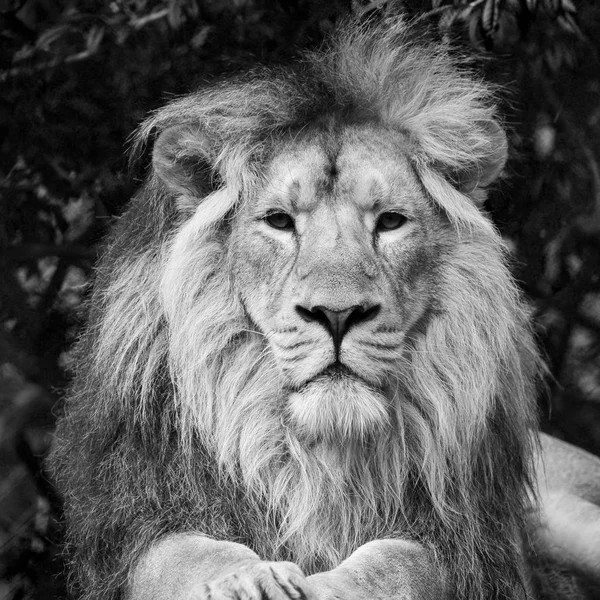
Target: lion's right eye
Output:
{"points": [[280, 220], [388, 221]]}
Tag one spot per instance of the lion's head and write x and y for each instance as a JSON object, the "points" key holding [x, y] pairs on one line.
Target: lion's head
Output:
{"points": [[309, 279]]}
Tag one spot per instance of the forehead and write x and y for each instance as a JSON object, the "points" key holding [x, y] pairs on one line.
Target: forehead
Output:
{"points": [[365, 165]]}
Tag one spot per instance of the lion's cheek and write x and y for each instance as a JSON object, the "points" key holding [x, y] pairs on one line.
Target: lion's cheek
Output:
{"points": [[259, 282], [375, 366], [297, 366]]}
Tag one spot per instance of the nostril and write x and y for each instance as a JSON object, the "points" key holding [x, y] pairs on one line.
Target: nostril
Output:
{"points": [[358, 314], [369, 313], [311, 314], [337, 322]]}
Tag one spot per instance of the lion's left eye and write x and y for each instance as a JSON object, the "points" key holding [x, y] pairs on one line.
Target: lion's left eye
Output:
{"points": [[280, 220], [390, 220]]}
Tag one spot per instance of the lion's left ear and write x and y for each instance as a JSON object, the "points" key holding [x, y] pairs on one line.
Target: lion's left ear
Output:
{"points": [[492, 154], [181, 160]]}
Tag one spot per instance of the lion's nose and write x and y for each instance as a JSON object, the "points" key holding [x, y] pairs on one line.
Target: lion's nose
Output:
{"points": [[337, 322]]}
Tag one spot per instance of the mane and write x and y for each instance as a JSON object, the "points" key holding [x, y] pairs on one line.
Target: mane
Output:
{"points": [[381, 73], [177, 389], [460, 422]]}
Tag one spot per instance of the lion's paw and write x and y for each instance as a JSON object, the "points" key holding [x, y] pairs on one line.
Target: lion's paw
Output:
{"points": [[258, 580]]}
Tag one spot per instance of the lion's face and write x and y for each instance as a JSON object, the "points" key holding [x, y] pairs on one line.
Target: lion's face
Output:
{"points": [[336, 260]]}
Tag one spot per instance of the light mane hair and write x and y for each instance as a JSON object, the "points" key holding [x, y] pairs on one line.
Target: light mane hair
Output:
{"points": [[178, 393]]}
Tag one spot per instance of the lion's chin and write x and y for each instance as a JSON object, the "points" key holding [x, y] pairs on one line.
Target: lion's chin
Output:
{"points": [[337, 408]]}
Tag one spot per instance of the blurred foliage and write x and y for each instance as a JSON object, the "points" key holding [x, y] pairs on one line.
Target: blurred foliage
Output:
{"points": [[77, 76]]}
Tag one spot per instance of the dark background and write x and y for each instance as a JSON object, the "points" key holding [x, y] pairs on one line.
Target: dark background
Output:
{"points": [[77, 77]]}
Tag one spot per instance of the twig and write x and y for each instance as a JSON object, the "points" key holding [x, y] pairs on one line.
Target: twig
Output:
{"points": [[361, 10], [155, 16], [442, 9], [44, 66]]}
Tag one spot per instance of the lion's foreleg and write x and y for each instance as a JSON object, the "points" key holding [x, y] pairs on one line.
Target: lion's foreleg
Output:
{"points": [[568, 533], [195, 567], [382, 570]]}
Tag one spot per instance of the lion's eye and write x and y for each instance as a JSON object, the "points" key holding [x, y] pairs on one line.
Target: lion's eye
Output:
{"points": [[280, 220], [390, 220]]}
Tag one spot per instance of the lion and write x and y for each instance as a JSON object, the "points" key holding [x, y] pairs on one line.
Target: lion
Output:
{"points": [[308, 372]]}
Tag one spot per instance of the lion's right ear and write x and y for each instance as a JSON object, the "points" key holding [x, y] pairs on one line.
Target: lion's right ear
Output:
{"points": [[181, 159], [490, 152]]}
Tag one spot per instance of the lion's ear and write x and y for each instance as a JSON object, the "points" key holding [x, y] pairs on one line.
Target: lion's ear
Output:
{"points": [[181, 160], [474, 181]]}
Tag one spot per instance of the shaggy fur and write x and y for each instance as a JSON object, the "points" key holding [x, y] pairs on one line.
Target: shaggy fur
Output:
{"points": [[173, 422]]}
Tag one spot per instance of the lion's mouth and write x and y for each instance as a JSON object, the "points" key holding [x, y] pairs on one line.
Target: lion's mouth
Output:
{"points": [[335, 372], [337, 405]]}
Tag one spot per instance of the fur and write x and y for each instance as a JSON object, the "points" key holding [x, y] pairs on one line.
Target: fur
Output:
{"points": [[173, 422]]}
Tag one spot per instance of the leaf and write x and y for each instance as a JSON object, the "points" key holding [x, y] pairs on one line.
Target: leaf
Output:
{"points": [[175, 14], [51, 35], [93, 38], [568, 23], [568, 6], [553, 6], [199, 38], [531, 5]]}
